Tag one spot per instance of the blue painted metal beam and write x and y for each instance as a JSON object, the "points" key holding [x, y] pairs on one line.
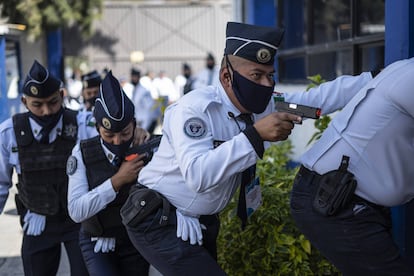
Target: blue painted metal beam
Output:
{"points": [[399, 44], [55, 53], [261, 12]]}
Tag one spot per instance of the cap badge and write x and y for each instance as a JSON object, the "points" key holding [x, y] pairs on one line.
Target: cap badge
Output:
{"points": [[106, 123], [33, 90], [85, 84], [263, 55]]}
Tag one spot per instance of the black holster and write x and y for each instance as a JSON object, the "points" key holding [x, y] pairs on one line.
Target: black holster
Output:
{"points": [[335, 190], [141, 203]]}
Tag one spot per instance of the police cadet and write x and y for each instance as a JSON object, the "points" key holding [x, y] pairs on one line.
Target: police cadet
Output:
{"points": [[99, 184], [345, 212], [90, 89], [37, 144]]}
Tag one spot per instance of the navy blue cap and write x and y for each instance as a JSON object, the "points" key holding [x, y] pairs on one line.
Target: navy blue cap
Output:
{"points": [[186, 66], [210, 56], [135, 72], [113, 109], [91, 79], [255, 43], [39, 83]]}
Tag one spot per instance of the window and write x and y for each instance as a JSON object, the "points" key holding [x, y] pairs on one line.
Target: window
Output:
{"points": [[330, 38]]}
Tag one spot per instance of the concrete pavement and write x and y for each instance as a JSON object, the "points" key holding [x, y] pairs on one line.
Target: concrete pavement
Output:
{"points": [[11, 240]]}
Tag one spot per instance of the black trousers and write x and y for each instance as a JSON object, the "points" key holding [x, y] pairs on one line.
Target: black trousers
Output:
{"points": [[41, 254], [172, 256], [357, 239], [124, 261]]}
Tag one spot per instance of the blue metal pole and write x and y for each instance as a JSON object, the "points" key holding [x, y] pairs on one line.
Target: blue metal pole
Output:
{"points": [[4, 109], [55, 53], [399, 44], [263, 13]]}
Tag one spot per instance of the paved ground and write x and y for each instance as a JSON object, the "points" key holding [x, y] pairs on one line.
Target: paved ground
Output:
{"points": [[10, 243]]}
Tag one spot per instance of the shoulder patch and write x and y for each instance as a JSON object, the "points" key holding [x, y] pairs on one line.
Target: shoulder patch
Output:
{"points": [[91, 122], [71, 165], [195, 128]]}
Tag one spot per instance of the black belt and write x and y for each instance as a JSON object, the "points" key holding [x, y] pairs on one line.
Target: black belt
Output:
{"points": [[315, 178]]}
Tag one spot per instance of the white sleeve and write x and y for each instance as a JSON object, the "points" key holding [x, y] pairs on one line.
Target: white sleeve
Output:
{"points": [[82, 203], [6, 168], [201, 165], [332, 95]]}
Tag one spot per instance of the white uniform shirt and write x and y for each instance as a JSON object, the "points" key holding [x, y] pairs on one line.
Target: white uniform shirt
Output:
{"points": [[9, 158], [196, 177], [146, 109], [376, 130], [203, 77], [82, 203]]}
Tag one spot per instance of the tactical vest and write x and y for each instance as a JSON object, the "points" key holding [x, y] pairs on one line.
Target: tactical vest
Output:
{"points": [[43, 183], [106, 223]]}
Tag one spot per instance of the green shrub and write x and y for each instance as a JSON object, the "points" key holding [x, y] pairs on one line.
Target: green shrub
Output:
{"points": [[322, 123], [270, 244]]}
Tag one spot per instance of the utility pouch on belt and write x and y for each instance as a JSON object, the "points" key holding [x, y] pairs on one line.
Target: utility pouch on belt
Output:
{"points": [[335, 190], [141, 203]]}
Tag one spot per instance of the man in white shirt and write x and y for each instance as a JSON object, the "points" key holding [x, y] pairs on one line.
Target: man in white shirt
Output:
{"points": [[351, 226]]}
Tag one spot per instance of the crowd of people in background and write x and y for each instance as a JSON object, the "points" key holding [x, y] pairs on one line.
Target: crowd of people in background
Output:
{"points": [[150, 92]]}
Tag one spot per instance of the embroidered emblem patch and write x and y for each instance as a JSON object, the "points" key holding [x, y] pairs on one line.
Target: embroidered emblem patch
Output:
{"points": [[70, 130], [195, 128], [71, 165], [91, 122]]}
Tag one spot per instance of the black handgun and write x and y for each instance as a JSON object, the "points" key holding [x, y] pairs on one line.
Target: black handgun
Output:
{"points": [[147, 148], [298, 109]]}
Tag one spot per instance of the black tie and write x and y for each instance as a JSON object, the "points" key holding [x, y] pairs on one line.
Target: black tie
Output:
{"points": [[247, 177], [45, 135]]}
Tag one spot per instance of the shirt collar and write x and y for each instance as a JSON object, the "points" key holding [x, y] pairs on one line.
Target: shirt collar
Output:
{"points": [[231, 108], [36, 128], [109, 155]]}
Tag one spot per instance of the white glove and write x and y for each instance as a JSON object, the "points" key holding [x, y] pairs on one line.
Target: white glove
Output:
{"points": [[34, 224], [189, 227], [103, 244]]}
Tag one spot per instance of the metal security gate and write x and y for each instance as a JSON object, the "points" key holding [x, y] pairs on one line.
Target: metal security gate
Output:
{"points": [[167, 34]]}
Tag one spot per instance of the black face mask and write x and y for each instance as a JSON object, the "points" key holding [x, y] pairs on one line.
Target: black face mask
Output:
{"points": [[121, 149], [210, 65], [90, 103], [252, 96], [47, 121]]}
